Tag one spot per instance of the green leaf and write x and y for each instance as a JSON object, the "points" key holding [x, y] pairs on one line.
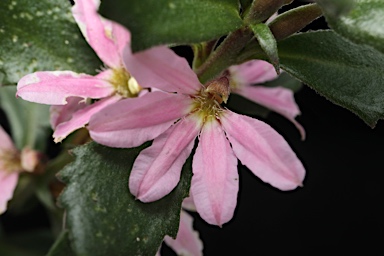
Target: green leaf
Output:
{"points": [[334, 8], [103, 217], [349, 75], [29, 121], [359, 20], [41, 35], [268, 43], [156, 22], [62, 246]]}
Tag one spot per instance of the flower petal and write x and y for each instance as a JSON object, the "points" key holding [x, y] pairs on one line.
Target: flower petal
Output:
{"points": [[187, 242], [8, 182], [131, 122], [215, 180], [161, 68], [278, 99], [6, 143], [252, 72], [189, 204], [54, 87], [263, 151], [156, 171], [104, 36], [62, 113], [81, 117]]}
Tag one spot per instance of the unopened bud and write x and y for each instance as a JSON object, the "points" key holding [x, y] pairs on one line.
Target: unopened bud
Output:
{"points": [[219, 89], [261, 10], [294, 20], [29, 159]]}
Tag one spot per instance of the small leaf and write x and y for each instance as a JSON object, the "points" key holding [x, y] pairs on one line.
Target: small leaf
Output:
{"points": [[29, 122], [103, 217], [155, 22], [41, 35], [62, 246], [268, 43], [349, 75], [360, 21]]}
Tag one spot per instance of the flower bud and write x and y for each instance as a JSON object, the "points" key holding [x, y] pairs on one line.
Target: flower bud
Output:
{"points": [[294, 20], [219, 89], [261, 10], [30, 159]]}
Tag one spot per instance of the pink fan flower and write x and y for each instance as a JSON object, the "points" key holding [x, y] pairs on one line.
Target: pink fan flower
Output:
{"points": [[192, 110], [278, 99], [12, 162], [67, 90], [187, 241]]}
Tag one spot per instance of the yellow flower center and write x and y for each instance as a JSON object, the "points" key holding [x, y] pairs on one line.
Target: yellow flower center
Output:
{"points": [[125, 84], [10, 161], [207, 103]]}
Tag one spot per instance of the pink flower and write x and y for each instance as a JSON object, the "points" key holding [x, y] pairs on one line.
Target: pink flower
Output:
{"points": [[278, 99], [67, 90], [190, 111], [187, 241], [12, 162]]}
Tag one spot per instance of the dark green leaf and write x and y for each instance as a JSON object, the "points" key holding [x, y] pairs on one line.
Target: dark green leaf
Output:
{"points": [[40, 35], [103, 217], [155, 22], [360, 21], [267, 42], [349, 75], [62, 246], [29, 122], [334, 8]]}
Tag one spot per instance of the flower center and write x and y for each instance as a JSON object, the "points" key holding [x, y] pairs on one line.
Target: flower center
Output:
{"points": [[207, 103], [10, 161], [125, 84]]}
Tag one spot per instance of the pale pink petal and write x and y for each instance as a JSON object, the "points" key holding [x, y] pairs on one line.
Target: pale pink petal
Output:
{"points": [[187, 242], [189, 204], [131, 122], [54, 87], [122, 38], [29, 159], [156, 171], [81, 117], [263, 151], [215, 180], [252, 72], [278, 99], [8, 182], [104, 36], [62, 113], [161, 68], [5, 141]]}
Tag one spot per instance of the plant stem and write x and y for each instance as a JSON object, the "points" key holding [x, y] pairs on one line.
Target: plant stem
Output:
{"points": [[225, 55]]}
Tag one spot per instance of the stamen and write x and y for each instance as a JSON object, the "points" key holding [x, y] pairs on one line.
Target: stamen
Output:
{"points": [[10, 161], [208, 102], [125, 85]]}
